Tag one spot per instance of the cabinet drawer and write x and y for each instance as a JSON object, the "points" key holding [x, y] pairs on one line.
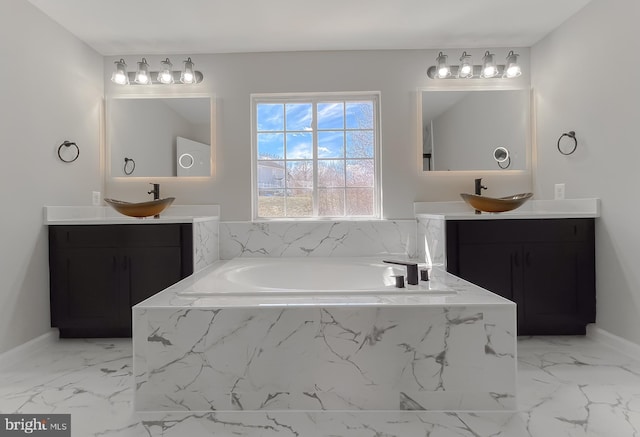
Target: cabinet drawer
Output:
{"points": [[524, 231], [84, 236], [152, 235]]}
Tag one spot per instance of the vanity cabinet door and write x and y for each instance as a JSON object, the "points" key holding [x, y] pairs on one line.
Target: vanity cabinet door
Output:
{"points": [[545, 266], [98, 272], [85, 295]]}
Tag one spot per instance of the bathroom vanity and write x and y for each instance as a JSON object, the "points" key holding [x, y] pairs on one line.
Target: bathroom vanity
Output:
{"points": [[541, 256], [102, 265]]}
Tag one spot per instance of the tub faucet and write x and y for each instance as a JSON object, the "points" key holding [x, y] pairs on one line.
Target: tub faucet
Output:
{"points": [[412, 270], [479, 186], [155, 191]]}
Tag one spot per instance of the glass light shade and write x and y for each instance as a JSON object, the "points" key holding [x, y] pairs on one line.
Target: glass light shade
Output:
{"points": [[466, 66], [120, 75], [165, 75], [489, 67], [442, 68], [512, 69], [142, 75], [187, 75]]}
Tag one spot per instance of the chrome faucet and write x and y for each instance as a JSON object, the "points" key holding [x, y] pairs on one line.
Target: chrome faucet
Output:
{"points": [[412, 270], [155, 191]]}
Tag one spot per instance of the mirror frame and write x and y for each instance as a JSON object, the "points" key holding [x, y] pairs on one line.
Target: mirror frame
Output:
{"points": [[107, 139], [457, 86]]}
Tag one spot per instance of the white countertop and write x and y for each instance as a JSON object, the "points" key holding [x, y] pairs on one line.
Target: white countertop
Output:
{"points": [[425, 294], [105, 215], [533, 209]]}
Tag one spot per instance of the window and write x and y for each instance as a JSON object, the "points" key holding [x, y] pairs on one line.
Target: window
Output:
{"points": [[315, 155]]}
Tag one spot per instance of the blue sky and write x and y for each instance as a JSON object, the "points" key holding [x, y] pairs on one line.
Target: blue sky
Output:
{"points": [[331, 115]]}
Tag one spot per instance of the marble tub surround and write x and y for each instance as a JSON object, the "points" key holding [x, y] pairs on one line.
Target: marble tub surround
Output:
{"points": [[318, 238], [313, 352], [205, 220]]}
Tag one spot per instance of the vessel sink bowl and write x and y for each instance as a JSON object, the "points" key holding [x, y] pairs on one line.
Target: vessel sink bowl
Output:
{"points": [[492, 204], [141, 209]]}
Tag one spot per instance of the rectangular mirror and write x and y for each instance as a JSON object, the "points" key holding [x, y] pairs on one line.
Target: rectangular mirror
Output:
{"points": [[159, 136], [475, 130]]}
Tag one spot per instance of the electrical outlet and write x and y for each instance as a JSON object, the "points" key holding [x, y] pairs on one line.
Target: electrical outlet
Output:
{"points": [[559, 192], [95, 198]]}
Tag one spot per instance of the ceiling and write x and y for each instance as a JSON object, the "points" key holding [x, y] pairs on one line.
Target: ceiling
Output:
{"points": [[127, 27]]}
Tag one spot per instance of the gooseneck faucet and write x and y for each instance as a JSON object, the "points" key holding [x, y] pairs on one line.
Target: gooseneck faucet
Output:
{"points": [[155, 191], [412, 270]]}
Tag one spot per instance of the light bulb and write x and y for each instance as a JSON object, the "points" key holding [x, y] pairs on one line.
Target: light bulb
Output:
{"points": [[142, 75], [120, 75], [513, 69], [165, 75], [187, 75], [489, 68], [442, 68], [466, 66]]}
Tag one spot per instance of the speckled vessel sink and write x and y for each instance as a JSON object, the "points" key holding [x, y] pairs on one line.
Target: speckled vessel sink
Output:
{"points": [[492, 204], [141, 209]]}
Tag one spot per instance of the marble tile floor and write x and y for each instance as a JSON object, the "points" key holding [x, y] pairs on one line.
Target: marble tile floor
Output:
{"points": [[568, 386]]}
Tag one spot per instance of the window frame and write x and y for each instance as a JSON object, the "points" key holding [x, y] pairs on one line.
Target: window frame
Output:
{"points": [[314, 99]]}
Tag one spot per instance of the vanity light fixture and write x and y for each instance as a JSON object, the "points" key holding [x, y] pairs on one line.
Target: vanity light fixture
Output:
{"points": [[443, 68], [120, 75], [513, 68], [142, 75], [165, 76], [466, 66], [489, 69]]}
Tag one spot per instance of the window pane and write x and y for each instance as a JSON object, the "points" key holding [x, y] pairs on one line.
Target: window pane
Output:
{"points": [[360, 173], [299, 174], [331, 115], [270, 116], [360, 144], [331, 173], [299, 203], [271, 203], [331, 144], [270, 174], [359, 201], [299, 116], [270, 146], [300, 145], [359, 115], [331, 202]]}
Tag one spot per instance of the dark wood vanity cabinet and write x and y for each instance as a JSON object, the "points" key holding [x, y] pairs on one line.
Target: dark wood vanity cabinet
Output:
{"points": [[545, 266], [98, 272]]}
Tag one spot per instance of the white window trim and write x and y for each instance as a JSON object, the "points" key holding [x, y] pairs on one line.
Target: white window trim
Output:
{"points": [[375, 96]]}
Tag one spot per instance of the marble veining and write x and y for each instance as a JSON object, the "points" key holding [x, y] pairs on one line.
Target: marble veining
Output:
{"points": [[344, 238], [431, 240], [205, 243], [568, 387]]}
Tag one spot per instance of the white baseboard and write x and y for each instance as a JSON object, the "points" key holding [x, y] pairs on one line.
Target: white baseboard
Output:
{"points": [[20, 353], [613, 341]]}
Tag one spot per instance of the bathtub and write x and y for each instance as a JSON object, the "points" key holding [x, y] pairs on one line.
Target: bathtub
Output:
{"points": [[317, 275]]}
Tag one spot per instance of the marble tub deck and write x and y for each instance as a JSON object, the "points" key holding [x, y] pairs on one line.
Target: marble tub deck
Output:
{"points": [[443, 345], [568, 386]]}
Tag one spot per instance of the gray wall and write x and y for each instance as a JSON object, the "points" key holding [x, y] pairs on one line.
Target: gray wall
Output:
{"points": [[396, 74], [574, 92], [51, 89]]}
